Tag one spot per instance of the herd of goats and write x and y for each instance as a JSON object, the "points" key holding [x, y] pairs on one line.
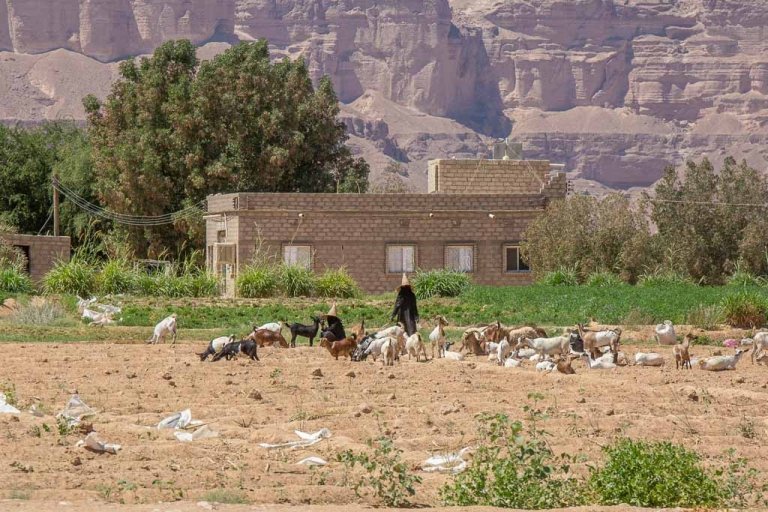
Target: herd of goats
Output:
{"points": [[509, 347]]}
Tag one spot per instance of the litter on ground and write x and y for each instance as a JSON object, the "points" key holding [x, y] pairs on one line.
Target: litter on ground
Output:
{"points": [[5, 407], [450, 463], [93, 443], [313, 461], [75, 411], [202, 433], [180, 420], [305, 440]]}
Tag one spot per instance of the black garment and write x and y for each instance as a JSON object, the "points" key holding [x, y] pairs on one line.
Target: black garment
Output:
{"points": [[405, 310], [335, 329]]}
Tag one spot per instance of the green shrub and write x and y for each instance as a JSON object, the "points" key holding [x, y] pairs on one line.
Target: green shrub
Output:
{"points": [[604, 279], [147, 285], [560, 277], [257, 281], [745, 309], [705, 317], [76, 277], [662, 474], [440, 283], [664, 278], [14, 280], [117, 277], [296, 281], [337, 284], [385, 472], [745, 278], [204, 284], [512, 468]]}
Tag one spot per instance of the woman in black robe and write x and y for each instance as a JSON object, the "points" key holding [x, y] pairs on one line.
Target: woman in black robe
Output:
{"points": [[405, 310], [334, 330]]}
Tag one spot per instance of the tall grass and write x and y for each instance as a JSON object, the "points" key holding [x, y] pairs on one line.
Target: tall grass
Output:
{"points": [[117, 277], [39, 311], [440, 283], [337, 284], [296, 281], [745, 309], [257, 281], [14, 280], [604, 278], [560, 277], [664, 278], [77, 276]]}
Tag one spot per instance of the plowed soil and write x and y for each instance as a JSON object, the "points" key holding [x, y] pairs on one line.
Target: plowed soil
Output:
{"points": [[426, 407]]}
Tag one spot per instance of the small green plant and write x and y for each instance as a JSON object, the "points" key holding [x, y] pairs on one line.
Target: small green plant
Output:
{"points": [[440, 283], [660, 474], [257, 281], [77, 276], [560, 277], [13, 279], [297, 281], [105, 491], [745, 309], [705, 317], [64, 427], [337, 284], [126, 485], [226, 497], [275, 374], [604, 279], [745, 278], [19, 495], [747, 428], [661, 278], [385, 473], [9, 390]]}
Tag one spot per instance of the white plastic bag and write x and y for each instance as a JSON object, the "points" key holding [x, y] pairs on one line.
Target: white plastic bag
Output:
{"points": [[93, 442], [202, 433], [450, 463], [179, 420], [306, 439], [5, 407], [312, 461], [75, 411]]}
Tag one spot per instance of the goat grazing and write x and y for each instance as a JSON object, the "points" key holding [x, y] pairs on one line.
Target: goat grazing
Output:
{"points": [[720, 363], [361, 352], [759, 345], [165, 327], [595, 339], [388, 351], [437, 337], [215, 346], [305, 331], [549, 346], [415, 346], [680, 351], [272, 326], [649, 359], [665, 333], [343, 347], [267, 338]]}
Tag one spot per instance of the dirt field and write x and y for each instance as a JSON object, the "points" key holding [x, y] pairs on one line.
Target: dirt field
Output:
{"points": [[427, 408]]}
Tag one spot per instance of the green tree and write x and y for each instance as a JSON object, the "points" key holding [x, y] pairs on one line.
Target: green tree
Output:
{"points": [[172, 131]]}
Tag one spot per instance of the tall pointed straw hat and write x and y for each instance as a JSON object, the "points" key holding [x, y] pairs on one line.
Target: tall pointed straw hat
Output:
{"points": [[332, 311]]}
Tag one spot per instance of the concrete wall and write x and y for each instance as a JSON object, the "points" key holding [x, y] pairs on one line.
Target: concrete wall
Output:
{"points": [[44, 251], [491, 176]]}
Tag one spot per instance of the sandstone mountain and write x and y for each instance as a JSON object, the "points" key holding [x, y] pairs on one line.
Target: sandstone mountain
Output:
{"points": [[614, 89]]}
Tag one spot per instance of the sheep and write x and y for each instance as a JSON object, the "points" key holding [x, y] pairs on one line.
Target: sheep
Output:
{"points": [[649, 359], [680, 351], [454, 356], [306, 331], [720, 363], [597, 365], [388, 350], [595, 339], [215, 346], [759, 345], [557, 345], [165, 327], [343, 347], [267, 338], [665, 333], [437, 337], [415, 346], [272, 326], [503, 351]]}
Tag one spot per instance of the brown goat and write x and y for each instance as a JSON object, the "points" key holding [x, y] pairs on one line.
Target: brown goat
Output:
{"points": [[343, 347], [595, 339], [564, 364], [267, 338], [682, 356], [515, 334]]}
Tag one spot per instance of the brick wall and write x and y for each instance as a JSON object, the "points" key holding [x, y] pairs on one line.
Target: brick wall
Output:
{"points": [[44, 251], [354, 230], [489, 176]]}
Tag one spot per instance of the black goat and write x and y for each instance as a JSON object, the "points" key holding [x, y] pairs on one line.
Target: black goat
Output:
{"points": [[215, 346], [306, 331], [359, 353], [232, 350]]}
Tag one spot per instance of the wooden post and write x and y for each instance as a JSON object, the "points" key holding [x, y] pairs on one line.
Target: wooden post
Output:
{"points": [[55, 207]]}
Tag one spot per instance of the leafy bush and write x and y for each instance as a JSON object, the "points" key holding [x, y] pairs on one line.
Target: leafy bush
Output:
{"points": [[745, 310], [204, 284], [385, 472], [14, 280], [38, 311], [337, 284], [117, 277], [257, 281], [705, 317], [604, 279], [664, 278], [147, 285], [440, 283], [513, 470], [661, 474], [296, 281], [744, 278], [78, 276], [560, 277]]}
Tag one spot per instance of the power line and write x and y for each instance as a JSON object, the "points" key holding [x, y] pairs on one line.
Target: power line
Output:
{"points": [[708, 203]]}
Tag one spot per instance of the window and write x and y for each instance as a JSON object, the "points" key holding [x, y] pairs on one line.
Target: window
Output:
{"points": [[221, 236], [513, 262], [460, 258], [401, 258], [298, 255]]}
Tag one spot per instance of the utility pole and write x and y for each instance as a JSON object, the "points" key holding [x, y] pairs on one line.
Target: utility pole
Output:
{"points": [[55, 206]]}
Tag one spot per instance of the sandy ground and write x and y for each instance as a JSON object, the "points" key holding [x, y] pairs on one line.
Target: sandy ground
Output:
{"points": [[427, 408]]}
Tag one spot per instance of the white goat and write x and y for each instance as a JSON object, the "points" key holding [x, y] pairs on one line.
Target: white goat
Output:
{"points": [[415, 346], [511, 362], [272, 326], [374, 349], [165, 327], [394, 331], [454, 356], [649, 359], [503, 351], [437, 337], [597, 365], [388, 351], [548, 346], [720, 363], [759, 345], [545, 366], [665, 333]]}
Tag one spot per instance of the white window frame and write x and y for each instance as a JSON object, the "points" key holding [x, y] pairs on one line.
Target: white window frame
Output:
{"points": [[294, 259], [519, 259], [403, 266], [473, 254]]}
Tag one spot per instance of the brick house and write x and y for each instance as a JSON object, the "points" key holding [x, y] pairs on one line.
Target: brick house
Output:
{"points": [[471, 220], [42, 252]]}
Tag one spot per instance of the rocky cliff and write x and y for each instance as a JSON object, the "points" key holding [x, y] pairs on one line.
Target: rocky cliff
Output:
{"points": [[615, 89]]}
